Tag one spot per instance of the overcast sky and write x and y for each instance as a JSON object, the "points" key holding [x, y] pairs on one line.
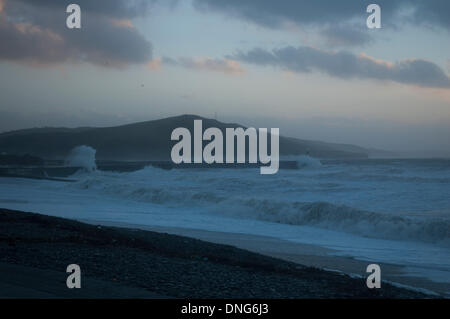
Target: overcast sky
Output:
{"points": [[312, 68]]}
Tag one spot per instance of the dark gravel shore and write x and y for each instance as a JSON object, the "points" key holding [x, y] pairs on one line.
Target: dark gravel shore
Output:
{"points": [[168, 265]]}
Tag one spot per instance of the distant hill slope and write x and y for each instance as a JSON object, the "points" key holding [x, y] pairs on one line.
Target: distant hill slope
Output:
{"points": [[144, 141]]}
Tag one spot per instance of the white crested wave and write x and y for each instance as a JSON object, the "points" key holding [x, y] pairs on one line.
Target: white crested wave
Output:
{"points": [[285, 199], [352, 220]]}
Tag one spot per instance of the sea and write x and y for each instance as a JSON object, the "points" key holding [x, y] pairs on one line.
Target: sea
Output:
{"points": [[394, 211]]}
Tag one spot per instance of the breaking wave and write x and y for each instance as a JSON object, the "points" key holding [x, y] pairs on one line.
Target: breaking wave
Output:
{"points": [[347, 219], [214, 192]]}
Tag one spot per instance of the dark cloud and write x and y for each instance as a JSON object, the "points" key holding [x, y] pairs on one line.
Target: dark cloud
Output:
{"points": [[347, 65], [275, 13], [432, 12], [332, 16], [111, 8], [36, 32]]}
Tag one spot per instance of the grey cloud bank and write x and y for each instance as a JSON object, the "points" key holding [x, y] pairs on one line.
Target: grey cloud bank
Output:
{"points": [[112, 8], [274, 13], [347, 65], [36, 33], [341, 23]]}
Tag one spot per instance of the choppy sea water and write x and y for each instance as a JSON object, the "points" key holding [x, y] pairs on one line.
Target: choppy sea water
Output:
{"points": [[395, 211]]}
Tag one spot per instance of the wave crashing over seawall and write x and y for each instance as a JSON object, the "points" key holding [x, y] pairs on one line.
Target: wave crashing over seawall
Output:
{"points": [[82, 156]]}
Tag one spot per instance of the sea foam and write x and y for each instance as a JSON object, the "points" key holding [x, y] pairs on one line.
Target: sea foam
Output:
{"points": [[235, 194]]}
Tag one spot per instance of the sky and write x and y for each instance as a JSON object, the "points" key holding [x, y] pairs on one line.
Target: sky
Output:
{"points": [[311, 68]]}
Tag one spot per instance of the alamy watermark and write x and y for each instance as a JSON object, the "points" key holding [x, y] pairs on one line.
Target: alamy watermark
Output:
{"points": [[374, 279], [374, 19], [213, 152], [74, 279], [73, 21]]}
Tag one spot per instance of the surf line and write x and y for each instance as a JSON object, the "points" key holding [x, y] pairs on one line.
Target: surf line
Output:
{"points": [[213, 152]]}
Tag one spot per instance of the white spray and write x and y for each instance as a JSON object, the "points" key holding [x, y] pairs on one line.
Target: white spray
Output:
{"points": [[82, 156]]}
